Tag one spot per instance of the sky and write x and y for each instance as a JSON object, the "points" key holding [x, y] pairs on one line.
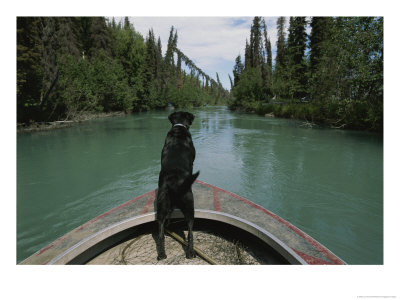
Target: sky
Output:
{"points": [[212, 43]]}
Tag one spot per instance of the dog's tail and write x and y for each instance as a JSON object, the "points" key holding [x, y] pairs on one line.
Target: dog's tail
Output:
{"points": [[188, 183], [185, 186]]}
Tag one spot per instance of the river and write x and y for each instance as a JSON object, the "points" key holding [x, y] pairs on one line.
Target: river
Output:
{"points": [[327, 182]]}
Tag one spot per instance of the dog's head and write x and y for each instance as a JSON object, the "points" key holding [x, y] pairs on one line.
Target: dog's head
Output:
{"points": [[181, 117]]}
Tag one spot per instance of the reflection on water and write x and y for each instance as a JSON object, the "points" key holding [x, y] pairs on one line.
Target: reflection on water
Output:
{"points": [[327, 182]]}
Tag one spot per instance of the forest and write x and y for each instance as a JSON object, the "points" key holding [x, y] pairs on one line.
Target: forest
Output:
{"points": [[71, 66], [332, 76]]}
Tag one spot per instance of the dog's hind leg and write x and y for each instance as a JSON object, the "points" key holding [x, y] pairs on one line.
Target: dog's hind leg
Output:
{"points": [[161, 240], [161, 216], [188, 213], [190, 252]]}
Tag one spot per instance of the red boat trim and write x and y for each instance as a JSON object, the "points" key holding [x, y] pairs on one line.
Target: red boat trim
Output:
{"points": [[149, 202], [217, 204], [306, 237], [41, 251], [112, 210], [45, 249], [51, 245], [311, 260]]}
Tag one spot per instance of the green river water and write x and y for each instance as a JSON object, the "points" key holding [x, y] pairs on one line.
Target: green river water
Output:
{"points": [[327, 182]]}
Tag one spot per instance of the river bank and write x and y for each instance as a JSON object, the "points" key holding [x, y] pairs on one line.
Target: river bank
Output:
{"points": [[83, 117], [354, 115]]}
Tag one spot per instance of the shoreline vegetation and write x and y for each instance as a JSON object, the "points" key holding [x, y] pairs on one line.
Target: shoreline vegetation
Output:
{"points": [[72, 69], [79, 119], [73, 66], [353, 115], [332, 76]]}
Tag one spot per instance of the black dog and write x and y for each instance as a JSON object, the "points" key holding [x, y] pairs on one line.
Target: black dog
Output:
{"points": [[176, 178]]}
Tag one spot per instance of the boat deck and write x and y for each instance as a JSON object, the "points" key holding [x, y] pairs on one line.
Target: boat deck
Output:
{"points": [[210, 201], [141, 250]]}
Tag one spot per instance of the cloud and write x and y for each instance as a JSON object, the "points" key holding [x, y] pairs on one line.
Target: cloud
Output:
{"points": [[200, 36]]}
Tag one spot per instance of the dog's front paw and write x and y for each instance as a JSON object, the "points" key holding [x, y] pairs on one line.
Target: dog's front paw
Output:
{"points": [[190, 254], [161, 256]]}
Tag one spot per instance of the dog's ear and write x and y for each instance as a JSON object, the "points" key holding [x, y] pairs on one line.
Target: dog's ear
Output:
{"points": [[172, 118], [189, 117]]}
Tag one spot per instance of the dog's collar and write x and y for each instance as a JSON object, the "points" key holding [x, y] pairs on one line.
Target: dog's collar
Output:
{"points": [[179, 124]]}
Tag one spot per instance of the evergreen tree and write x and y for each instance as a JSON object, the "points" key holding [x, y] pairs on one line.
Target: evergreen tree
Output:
{"points": [[82, 32], [171, 46], [230, 80], [237, 70], [269, 55], [159, 58], [179, 71], [67, 40], [247, 56], [113, 24], [267, 62], [29, 68], [255, 47], [169, 64], [280, 84], [150, 72], [323, 61], [280, 44], [218, 81], [50, 46], [127, 24], [58, 40], [320, 33], [99, 36], [297, 67]]}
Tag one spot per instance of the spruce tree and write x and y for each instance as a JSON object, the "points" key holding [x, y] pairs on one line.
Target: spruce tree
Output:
{"points": [[269, 55], [179, 71], [267, 62], [280, 85], [127, 23], [68, 43], [218, 81], [237, 70], [322, 59], [280, 44], [255, 47], [297, 67], [159, 58], [320, 33], [50, 42], [82, 32], [230, 80], [113, 24], [247, 56], [29, 67], [169, 55], [99, 36], [150, 60]]}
